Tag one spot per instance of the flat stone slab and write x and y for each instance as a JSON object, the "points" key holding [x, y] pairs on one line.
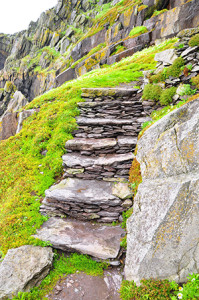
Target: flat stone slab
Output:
{"points": [[126, 141], [23, 268], [90, 144], [104, 121], [99, 241], [74, 190], [74, 159], [117, 92]]}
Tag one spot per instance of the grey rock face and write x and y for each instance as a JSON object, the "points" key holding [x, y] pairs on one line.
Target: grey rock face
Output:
{"points": [[23, 268], [163, 230], [22, 116], [99, 241]]}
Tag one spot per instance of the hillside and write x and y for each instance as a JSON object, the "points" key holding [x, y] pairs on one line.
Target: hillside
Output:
{"points": [[77, 87]]}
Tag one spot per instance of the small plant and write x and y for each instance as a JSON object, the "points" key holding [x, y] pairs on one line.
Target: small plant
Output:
{"points": [[136, 31], [180, 46], [195, 81], [189, 67], [135, 177], [190, 290], [185, 89], [174, 70], [194, 40], [151, 92], [158, 12], [167, 96], [118, 49], [149, 289]]}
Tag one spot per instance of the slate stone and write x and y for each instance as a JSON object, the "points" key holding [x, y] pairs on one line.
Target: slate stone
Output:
{"points": [[74, 159], [104, 121], [67, 75], [99, 241], [82, 191], [188, 51], [23, 268], [168, 56], [89, 144]]}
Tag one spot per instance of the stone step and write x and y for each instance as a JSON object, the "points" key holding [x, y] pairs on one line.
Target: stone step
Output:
{"points": [[103, 121], [99, 241], [97, 146], [100, 128], [99, 167], [78, 144], [108, 103], [112, 110], [73, 160], [111, 92], [87, 199], [109, 121]]}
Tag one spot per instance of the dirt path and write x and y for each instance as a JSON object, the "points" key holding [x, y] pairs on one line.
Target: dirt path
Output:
{"points": [[80, 286]]}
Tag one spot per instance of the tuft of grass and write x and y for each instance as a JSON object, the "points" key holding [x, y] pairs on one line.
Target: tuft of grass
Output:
{"points": [[159, 12], [174, 70], [151, 92], [194, 40], [136, 31], [149, 289], [166, 96]]}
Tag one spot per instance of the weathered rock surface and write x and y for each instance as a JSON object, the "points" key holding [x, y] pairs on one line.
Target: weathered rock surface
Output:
{"points": [[102, 242], [9, 125], [23, 268], [168, 56], [163, 230]]}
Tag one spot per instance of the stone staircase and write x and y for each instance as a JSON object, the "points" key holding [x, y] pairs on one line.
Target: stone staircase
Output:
{"points": [[96, 167]]}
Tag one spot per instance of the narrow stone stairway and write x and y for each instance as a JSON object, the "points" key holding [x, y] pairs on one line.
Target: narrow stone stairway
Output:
{"points": [[96, 167]]}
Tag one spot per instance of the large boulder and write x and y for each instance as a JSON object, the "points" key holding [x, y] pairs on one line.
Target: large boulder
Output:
{"points": [[163, 233], [23, 268]]}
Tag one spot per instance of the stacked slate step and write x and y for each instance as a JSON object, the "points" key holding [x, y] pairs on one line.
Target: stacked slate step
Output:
{"points": [[109, 123], [98, 159], [110, 112]]}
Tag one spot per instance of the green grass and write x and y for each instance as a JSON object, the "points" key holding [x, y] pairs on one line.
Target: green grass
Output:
{"points": [[136, 31], [62, 267]]}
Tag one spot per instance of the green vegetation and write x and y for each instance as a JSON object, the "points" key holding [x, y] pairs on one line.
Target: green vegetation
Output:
{"points": [[158, 12], [152, 92], [166, 96], [195, 81], [25, 172], [93, 51], [108, 15], [185, 89], [194, 40], [149, 289], [118, 49], [160, 289], [62, 267], [136, 31], [174, 70]]}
